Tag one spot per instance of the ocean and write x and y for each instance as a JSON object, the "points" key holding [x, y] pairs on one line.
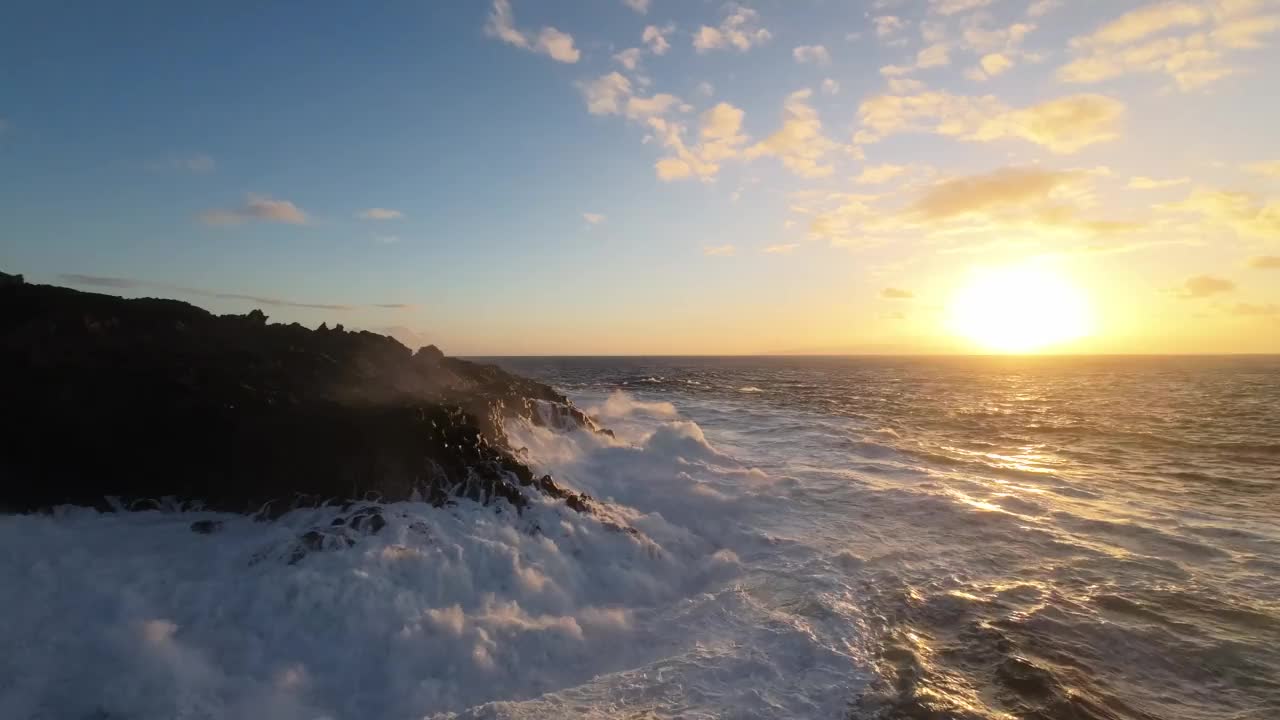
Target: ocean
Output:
{"points": [[895, 538]]}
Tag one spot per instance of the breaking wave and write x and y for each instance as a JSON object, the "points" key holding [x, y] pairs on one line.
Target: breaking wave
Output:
{"points": [[466, 609], [869, 540]]}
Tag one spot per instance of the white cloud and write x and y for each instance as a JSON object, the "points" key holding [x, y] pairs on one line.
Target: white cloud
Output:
{"points": [[1245, 33], [1040, 8], [1203, 286], [640, 6], [265, 208], [1265, 169], [955, 7], [257, 207], [549, 41], [932, 32], [719, 250], [593, 218], [1145, 21], [639, 108], [878, 174], [1146, 183], [1064, 125], [891, 293], [607, 94], [815, 54], [381, 214], [720, 139], [502, 25], [1189, 41], [1245, 213], [1007, 39], [989, 66], [935, 55], [629, 58], [740, 30], [982, 194], [786, 249], [843, 224], [830, 87], [656, 38], [995, 64], [706, 89], [799, 143], [612, 94], [558, 45], [1027, 202], [887, 25]]}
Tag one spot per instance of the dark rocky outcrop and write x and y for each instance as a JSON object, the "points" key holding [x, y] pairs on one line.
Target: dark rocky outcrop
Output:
{"points": [[107, 400]]}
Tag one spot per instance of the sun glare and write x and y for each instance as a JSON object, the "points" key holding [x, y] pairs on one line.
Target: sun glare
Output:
{"points": [[1020, 309]]}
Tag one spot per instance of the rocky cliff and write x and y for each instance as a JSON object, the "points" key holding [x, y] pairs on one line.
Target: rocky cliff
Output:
{"points": [[110, 402]]}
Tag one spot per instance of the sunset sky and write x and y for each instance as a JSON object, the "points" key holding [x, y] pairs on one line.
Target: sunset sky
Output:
{"points": [[654, 176]]}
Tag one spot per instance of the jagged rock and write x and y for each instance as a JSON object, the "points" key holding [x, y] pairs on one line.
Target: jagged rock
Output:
{"points": [[368, 521], [317, 541], [152, 398], [206, 527], [429, 354]]}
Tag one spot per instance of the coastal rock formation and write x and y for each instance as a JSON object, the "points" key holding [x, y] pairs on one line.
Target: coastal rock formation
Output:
{"points": [[111, 402]]}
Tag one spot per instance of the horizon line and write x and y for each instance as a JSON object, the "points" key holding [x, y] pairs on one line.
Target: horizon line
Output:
{"points": [[886, 355]]}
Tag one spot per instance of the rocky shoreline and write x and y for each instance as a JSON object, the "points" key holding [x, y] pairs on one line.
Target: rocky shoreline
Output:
{"points": [[115, 403]]}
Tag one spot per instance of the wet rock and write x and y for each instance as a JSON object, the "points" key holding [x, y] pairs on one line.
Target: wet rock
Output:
{"points": [[314, 541], [206, 527], [368, 521]]}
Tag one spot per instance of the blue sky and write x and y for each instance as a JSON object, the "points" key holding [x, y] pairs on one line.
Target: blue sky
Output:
{"points": [[749, 178]]}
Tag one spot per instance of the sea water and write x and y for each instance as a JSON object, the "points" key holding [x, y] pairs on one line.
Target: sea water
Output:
{"points": [[813, 538]]}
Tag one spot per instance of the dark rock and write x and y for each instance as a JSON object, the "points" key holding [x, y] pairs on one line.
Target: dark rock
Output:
{"points": [[316, 541], [206, 527], [150, 398], [429, 355], [313, 540], [368, 520]]}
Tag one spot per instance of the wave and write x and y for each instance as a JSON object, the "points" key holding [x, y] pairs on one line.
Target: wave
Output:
{"points": [[620, 406], [439, 611]]}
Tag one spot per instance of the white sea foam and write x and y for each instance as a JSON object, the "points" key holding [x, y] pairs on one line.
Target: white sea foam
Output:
{"points": [[466, 609], [620, 405]]}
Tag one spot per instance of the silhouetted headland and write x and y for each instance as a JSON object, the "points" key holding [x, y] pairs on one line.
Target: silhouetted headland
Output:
{"points": [[112, 402]]}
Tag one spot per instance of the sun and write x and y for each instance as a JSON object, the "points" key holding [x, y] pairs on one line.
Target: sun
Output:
{"points": [[1020, 309]]}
